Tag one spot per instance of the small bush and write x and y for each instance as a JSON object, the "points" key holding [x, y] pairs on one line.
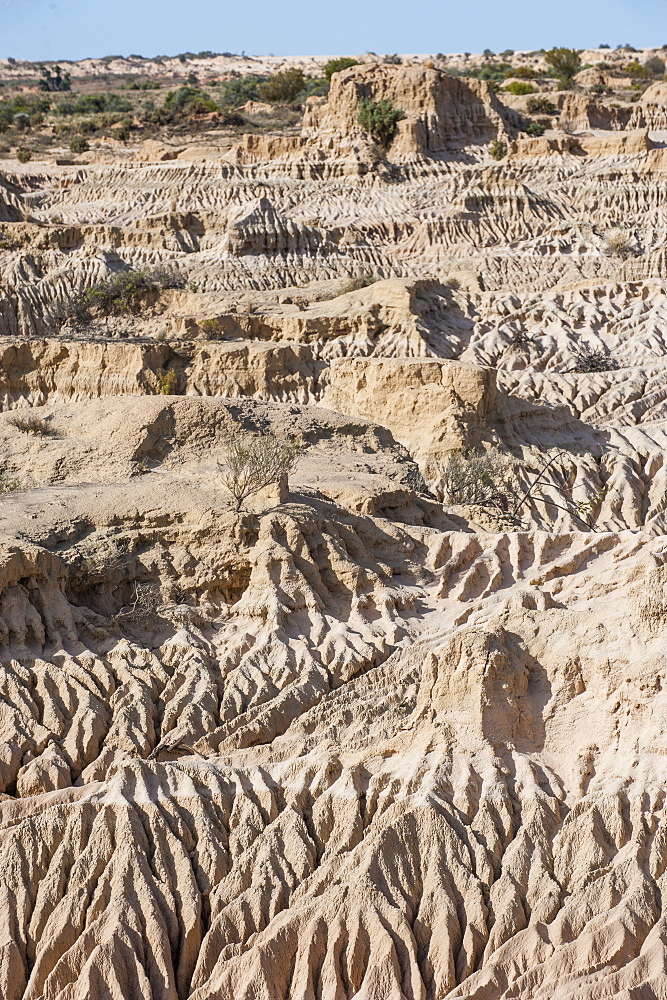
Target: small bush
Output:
{"points": [[358, 282], [379, 119], [655, 66], [211, 327], [78, 144], [167, 382], [93, 104], [187, 101], [535, 130], [540, 106], [253, 462], [31, 105], [338, 65], [31, 424], [498, 149], [519, 88], [283, 88], [23, 155], [485, 479], [619, 242], [522, 73], [587, 360]]}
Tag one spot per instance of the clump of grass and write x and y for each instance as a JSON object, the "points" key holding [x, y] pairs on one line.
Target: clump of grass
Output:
{"points": [[32, 424]]}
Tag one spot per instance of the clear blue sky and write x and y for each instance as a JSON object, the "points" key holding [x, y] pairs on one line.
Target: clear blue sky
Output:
{"points": [[74, 29]]}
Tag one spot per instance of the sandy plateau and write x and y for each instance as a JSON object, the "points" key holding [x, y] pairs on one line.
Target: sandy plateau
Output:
{"points": [[359, 741]]}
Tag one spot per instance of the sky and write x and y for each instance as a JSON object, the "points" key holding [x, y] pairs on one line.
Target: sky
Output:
{"points": [[76, 29]]}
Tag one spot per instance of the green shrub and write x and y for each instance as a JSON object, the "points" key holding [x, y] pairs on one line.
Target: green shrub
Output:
{"points": [[188, 101], [338, 65], [565, 64], [490, 72], [498, 149], [535, 129], [211, 327], [283, 88], [540, 106], [141, 85], [23, 155], [522, 73], [379, 119], [78, 144], [519, 87], [234, 93]]}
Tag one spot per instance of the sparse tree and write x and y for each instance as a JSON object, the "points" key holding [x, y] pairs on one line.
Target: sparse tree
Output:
{"points": [[253, 462], [54, 80], [565, 63]]}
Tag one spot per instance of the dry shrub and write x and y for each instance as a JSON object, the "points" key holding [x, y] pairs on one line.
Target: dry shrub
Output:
{"points": [[253, 462], [485, 479], [31, 424]]}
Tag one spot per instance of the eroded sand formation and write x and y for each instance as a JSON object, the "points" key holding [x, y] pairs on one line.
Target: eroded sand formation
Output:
{"points": [[359, 745]]}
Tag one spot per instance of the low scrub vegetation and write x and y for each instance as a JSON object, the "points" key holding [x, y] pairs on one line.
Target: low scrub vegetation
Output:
{"points": [[121, 293], [91, 104], [253, 462], [505, 486]]}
